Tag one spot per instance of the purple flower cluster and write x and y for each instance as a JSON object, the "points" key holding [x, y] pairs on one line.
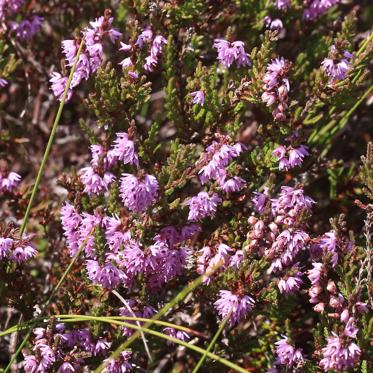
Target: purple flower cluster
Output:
{"points": [[283, 4], [276, 87], [179, 334], [125, 258], [330, 247], [62, 351], [273, 24], [9, 7], [287, 355], [90, 59], [212, 260], [232, 52], [198, 97], [156, 49], [135, 308], [316, 8], [215, 161], [138, 192], [15, 249], [202, 205], [234, 306], [339, 354], [9, 181], [290, 157], [120, 364], [282, 237], [26, 29], [97, 177], [337, 65]]}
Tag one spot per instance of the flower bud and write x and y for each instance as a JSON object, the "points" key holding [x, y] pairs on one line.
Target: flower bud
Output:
{"points": [[320, 307], [252, 220], [335, 302], [314, 291], [331, 287], [273, 227], [345, 315]]}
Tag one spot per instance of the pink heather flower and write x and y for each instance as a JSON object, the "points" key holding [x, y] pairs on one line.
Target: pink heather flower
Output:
{"points": [[93, 37], [202, 205], [67, 367], [273, 24], [93, 270], [133, 259], [283, 4], [93, 182], [260, 200], [82, 70], [198, 97], [171, 263], [145, 37], [3, 83], [290, 284], [138, 193], [23, 253], [234, 305], [150, 63], [337, 69], [169, 236], [287, 354], [69, 49], [237, 259], [211, 261], [242, 58], [232, 185], [125, 47], [10, 182], [110, 276], [89, 60], [316, 273], [127, 62], [296, 156], [339, 355], [102, 345], [6, 244], [139, 310], [328, 244], [351, 330], [189, 231], [27, 28], [218, 157], [88, 223], [157, 47], [102, 158], [124, 149], [71, 220], [115, 236], [316, 8], [9, 7], [231, 52], [276, 87], [30, 364], [58, 85], [290, 158], [119, 365], [291, 199], [179, 334]]}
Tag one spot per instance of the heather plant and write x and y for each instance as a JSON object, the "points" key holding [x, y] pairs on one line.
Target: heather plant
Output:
{"points": [[183, 186]]}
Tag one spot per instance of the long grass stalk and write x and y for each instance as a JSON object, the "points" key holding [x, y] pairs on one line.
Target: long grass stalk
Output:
{"points": [[211, 344], [48, 148]]}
